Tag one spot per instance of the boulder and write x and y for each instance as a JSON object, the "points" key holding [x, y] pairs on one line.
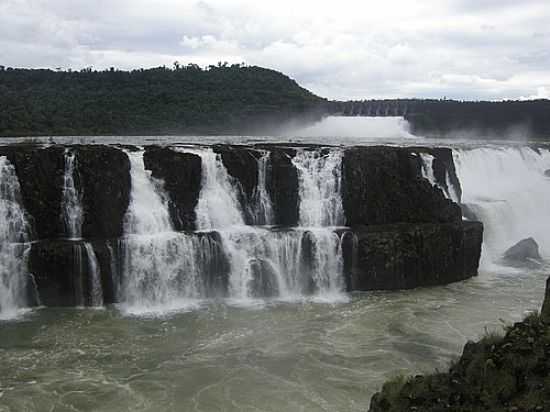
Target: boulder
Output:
{"points": [[384, 185], [405, 256], [182, 176], [525, 251], [105, 183]]}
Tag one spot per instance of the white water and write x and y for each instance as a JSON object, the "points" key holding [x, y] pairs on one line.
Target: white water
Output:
{"points": [[320, 182], [159, 268], [508, 191], [262, 208], [148, 209], [254, 251], [71, 203], [13, 232], [94, 276], [428, 173], [349, 128], [218, 206]]}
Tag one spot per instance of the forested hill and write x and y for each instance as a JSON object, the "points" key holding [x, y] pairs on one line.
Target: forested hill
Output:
{"points": [[186, 99], [227, 99]]}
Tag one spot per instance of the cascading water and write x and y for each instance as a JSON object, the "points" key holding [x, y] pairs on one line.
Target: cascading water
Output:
{"points": [[508, 191], [13, 235], [321, 209], [94, 276], [262, 208], [161, 268], [428, 173], [71, 204], [294, 262], [320, 178]]}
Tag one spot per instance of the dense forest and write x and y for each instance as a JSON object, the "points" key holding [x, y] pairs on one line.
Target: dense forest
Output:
{"points": [[184, 99], [226, 99]]}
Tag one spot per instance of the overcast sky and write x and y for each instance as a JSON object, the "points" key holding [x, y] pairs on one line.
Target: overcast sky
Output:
{"points": [[467, 49]]}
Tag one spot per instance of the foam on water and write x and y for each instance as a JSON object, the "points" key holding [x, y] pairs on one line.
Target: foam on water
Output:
{"points": [[508, 191]]}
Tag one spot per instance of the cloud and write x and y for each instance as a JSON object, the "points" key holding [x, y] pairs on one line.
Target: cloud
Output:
{"points": [[482, 49]]}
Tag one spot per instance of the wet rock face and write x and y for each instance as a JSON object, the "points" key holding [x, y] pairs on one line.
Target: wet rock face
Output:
{"points": [[545, 311], [444, 169], [523, 252], [58, 268], [105, 184], [61, 272], [405, 256], [282, 185], [40, 172], [181, 174], [242, 164], [383, 185]]}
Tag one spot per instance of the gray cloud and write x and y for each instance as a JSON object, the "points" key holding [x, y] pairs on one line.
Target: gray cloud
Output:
{"points": [[482, 49]]}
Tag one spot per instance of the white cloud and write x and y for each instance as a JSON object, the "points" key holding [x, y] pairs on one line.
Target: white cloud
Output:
{"points": [[482, 49]]}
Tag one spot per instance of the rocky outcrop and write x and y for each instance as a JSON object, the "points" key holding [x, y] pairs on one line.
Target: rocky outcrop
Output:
{"points": [[508, 373], [383, 185], [105, 183], [523, 253], [405, 256], [181, 174], [40, 172], [282, 185], [242, 164]]}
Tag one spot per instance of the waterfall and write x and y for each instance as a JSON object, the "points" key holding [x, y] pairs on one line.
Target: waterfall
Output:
{"points": [[148, 209], [13, 233], [161, 268], [262, 208], [320, 177], [286, 264], [292, 262], [428, 173], [94, 276], [71, 203], [218, 206], [508, 191]]}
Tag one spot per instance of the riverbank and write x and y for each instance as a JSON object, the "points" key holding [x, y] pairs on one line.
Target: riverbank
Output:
{"points": [[498, 373]]}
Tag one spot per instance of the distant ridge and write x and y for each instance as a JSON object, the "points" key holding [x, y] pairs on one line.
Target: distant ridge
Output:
{"points": [[184, 100], [227, 99]]}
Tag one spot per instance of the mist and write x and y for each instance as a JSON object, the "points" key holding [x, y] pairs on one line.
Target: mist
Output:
{"points": [[355, 128]]}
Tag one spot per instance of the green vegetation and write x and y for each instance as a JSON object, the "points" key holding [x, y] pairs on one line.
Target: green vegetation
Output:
{"points": [[226, 99], [509, 373], [186, 99]]}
